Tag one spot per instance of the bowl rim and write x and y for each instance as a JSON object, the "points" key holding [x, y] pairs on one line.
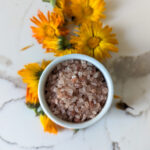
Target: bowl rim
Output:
{"points": [[43, 102]]}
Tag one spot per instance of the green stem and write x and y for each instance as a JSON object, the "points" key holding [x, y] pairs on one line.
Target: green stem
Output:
{"points": [[46, 1]]}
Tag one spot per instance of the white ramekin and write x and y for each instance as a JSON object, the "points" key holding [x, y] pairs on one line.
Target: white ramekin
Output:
{"points": [[43, 102]]}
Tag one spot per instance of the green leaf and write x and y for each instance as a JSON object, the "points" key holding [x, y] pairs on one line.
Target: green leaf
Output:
{"points": [[36, 108], [48, 1], [64, 43], [53, 2], [32, 106], [76, 130], [38, 112], [38, 74]]}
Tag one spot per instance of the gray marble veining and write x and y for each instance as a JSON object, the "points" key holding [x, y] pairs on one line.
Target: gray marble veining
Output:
{"points": [[130, 69]]}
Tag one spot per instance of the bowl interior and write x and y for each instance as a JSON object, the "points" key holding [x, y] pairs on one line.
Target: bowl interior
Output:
{"points": [[44, 104]]}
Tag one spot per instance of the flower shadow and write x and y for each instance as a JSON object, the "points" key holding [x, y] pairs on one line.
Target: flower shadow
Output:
{"points": [[132, 76]]}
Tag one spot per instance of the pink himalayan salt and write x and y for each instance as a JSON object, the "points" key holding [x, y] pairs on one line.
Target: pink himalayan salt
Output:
{"points": [[76, 91]]}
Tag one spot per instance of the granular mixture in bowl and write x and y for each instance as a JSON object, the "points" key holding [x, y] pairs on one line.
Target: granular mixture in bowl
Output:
{"points": [[76, 91]]}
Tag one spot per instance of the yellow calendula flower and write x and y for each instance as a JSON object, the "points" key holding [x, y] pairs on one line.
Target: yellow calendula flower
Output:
{"points": [[48, 125], [58, 45], [64, 5], [49, 26], [95, 40], [31, 75], [87, 10]]}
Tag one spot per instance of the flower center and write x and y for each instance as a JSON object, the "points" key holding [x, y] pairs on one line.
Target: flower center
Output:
{"points": [[93, 42], [87, 11], [49, 31]]}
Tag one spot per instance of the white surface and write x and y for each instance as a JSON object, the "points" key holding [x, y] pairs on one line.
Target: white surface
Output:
{"points": [[21, 130]]}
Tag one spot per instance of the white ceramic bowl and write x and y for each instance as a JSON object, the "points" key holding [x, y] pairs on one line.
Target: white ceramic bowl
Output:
{"points": [[43, 102]]}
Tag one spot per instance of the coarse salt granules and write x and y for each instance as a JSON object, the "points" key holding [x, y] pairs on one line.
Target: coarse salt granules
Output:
{"points": [[76, 91]]}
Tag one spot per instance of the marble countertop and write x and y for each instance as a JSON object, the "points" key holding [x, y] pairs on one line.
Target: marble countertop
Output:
{"points": [[130, 69]]}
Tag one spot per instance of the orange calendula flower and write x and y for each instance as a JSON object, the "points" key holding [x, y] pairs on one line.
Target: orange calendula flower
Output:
{"points": [[31, 97], [31, 75], [117, 97], [49, 26], [48, 125]]}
